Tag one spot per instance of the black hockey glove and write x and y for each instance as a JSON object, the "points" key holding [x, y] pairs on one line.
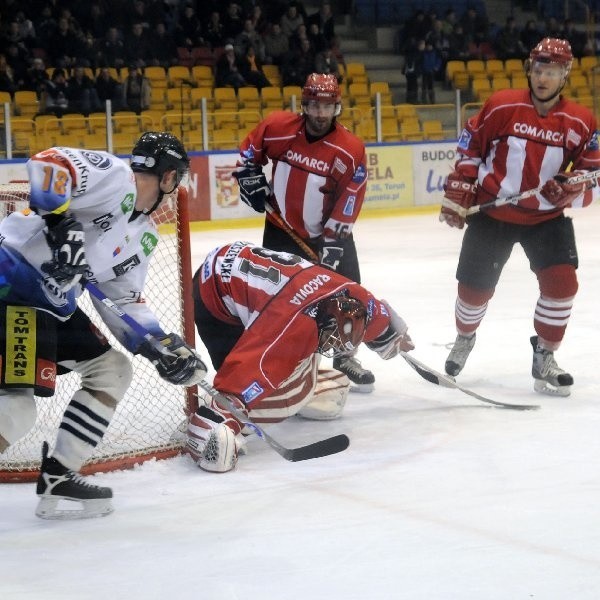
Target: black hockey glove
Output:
{"points": [[254, 187], [331, 254], [180, 365], [66, 240]]}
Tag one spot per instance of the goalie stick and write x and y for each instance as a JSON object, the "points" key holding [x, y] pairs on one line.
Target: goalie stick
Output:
{"points": [[516, 198], [325, 447], [445, 381]]}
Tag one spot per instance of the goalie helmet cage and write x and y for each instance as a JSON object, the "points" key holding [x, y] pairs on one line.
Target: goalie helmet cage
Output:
{"points": [[146, 421]]}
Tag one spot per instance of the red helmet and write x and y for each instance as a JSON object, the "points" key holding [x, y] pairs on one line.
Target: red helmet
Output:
{"points": [[342, 322], [322, 88], [553, 50]]}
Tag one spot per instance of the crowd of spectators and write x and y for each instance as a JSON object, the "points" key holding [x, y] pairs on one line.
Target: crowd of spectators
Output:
{"points": [[428, 41], [73, 37]]}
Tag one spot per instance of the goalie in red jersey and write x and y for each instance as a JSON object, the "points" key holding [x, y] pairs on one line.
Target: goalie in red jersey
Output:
{"points": [[265, 317], [317, 189], [523, 140]]}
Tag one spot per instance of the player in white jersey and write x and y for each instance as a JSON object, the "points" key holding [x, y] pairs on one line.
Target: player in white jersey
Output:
{"points": [[521, 141], [89, 219]]}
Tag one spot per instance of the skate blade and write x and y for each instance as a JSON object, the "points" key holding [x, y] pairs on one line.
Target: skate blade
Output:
{"points": [[48, 508], [543, 387], [361, 388]]}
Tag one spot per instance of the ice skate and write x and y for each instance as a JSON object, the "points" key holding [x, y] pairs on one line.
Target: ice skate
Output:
{"points": [[362, 379], [458, 355], [549, 377], [57, 484]]}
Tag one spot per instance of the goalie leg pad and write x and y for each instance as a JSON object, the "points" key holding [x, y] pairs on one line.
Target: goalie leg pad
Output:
{"points": [[211, 442], [329, 397], [17, 415]]}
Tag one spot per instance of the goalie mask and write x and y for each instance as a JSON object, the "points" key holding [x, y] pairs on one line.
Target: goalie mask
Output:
{"points": [[158, 152], [342, 322]]}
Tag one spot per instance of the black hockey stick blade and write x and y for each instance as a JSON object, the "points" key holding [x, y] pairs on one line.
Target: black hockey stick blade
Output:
{"points": [[325, 447], [445, 381]]}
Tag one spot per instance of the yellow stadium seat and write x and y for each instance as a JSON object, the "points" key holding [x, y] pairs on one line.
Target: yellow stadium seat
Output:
{"points": [[124, 142], [475, 68], [578, 80], [366, 130], [26, 103], [410, 131], [224, 139], [290, 91], [404, 111], [501, 82], [359, 93], [224, 118], [193, 140], [179, 98], [157, 76], [74, 124], [389, 130], [95, 141], [198, 93], [157, 98], [432, 129], [453, 67], [248, 97], [178, 74], [481, 88], [271, 97], [272, 74], [203, 76], [150, 119], [519, 81], [176, 121], [513, 66], [588, 63], [249, 118], [356, 72], [494, 67], [383, 89], [225, 98], [126, 122]]}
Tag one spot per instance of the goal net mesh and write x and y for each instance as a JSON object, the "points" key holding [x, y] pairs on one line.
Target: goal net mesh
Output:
{"points": [[147, 420]]}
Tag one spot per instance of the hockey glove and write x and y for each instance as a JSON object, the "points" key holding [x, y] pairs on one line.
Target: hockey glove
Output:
{"points": [[254, 187], [178, 364], [66, 240], [394, 339], [331, 254], [559, 192], [459, 196]]}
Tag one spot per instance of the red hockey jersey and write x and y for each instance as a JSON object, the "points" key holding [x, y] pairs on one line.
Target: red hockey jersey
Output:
{"points": [[273, 295], [510, 148], [318, 187]]}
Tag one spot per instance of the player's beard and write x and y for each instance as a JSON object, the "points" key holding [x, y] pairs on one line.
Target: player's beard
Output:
{"points": [[318, 126]]}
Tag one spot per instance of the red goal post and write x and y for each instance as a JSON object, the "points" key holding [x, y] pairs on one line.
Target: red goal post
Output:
{"points": [[147, 421]]}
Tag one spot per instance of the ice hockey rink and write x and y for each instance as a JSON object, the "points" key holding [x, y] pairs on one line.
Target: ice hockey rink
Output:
{"points": [[438, 497]]}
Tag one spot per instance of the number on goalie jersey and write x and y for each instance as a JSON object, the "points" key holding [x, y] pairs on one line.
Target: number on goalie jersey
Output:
{"points": [[264, 317]]}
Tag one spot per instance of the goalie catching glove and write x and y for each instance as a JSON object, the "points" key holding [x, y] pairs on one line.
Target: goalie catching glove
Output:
{"points": [[459, 196], [66, 241], [254, 187], [178, 363], [394, 339], [560, 192]]}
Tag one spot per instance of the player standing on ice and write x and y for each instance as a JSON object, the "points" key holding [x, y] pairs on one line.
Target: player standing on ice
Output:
{"points": [[89, 220], [265, 317], [318, 187], [521, 140]]}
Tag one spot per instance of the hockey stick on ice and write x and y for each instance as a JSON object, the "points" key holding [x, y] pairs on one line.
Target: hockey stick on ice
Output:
{"points": [[325, 447], [516, 198], [445, 381]]}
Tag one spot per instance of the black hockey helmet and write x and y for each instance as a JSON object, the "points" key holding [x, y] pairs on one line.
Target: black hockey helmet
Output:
{"points": [[157, 152], [342, 322]]}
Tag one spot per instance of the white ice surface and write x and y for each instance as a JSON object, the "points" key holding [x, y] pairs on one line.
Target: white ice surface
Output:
{"points": [[438, 497]]}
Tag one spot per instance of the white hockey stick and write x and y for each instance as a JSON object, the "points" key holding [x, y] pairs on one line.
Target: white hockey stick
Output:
{"points": [[445, 381], [516, 198], [325, 447]]}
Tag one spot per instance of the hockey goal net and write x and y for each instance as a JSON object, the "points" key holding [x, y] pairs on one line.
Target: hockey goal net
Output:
{"points": [[146, 421]]}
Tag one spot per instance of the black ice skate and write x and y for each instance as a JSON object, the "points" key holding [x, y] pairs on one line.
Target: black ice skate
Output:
{"points": [[458, 355], [362, 379], [549, 377], [57, 483]]}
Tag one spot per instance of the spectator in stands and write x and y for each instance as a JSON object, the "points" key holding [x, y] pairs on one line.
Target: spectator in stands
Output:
{"points": [[260, 23], [18, 59], [449, 22], [252, 70], [475, 29], [323, 19], [45, 26], [250, 38], [112, 49], [232, 21], [81, 93], [163, 51], [459, 44], [138, 46], [508, 42], [228, 70], [65, 44], [291, 20], [188, 30], [108, 88], [440, 42], [55, 97], [317, 40], [326, 62], [36, 78], [553, 28], [95, 20], [413, 69], [136, 90], [298, 64], [277, 45], [213, 33], [7, 82], [530, 34], [576, 38], [432, 63]]}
